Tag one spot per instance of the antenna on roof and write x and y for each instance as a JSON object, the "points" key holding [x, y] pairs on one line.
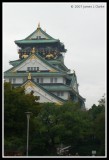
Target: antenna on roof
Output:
{"points": [[39, 25]]}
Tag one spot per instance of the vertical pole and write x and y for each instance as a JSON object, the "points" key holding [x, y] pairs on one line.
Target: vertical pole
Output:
{"points": [[28, 116]]}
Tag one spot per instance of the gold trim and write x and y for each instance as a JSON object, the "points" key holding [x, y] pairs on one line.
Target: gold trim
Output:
{"points": [[33, 50], [53, 70], [29, 84], [59, 103], [24, 56], [29, 76], [33, 57], [14, 71]]}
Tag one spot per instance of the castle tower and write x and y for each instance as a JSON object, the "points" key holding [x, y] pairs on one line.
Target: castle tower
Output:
{"points": [[41, 69]]}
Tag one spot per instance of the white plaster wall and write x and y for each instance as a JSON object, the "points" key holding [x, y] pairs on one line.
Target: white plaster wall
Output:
{"points": [[64, 80], [65, 95], [38, 34], [19, 80], [33, 63], [6, 79], [47, 79], [44, 97]]}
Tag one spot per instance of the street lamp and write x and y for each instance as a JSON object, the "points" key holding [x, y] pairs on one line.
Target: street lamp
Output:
{"points": [[28, 117], [93, 153]]}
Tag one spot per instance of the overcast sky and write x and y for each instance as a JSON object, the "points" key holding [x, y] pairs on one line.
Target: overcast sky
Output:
{"points": [[82, 30]]}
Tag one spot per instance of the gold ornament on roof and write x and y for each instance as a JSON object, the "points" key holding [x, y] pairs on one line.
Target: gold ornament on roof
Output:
{"points": [[33, 50], [24, 56], [29, 76], [29, 84]]}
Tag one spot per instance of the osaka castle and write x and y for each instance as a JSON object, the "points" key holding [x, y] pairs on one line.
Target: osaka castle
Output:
{"points": [[40, 69]]}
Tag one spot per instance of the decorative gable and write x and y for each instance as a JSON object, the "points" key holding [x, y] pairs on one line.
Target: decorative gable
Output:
{"points": [[33, 63], [38, 34], [43, 95]]}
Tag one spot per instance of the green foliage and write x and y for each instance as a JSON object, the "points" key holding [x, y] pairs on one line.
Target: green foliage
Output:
{"points": [[51, 125], [16, 103]]}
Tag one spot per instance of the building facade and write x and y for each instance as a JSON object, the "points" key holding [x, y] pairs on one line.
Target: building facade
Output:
{"points": [[41, 69]]}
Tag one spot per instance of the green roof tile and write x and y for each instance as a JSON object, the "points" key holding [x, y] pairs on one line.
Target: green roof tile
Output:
{"points": [[35, 41]]}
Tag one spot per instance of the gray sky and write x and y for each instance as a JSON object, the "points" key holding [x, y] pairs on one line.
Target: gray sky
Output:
{"points": [[82, 30]]}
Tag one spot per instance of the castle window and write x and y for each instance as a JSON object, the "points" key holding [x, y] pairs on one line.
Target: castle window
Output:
{"points": [[63, 80], [14, 80], [62, 93], [38, 37], [55, 80], [58, 93], [37, 80], [37, 68], [41, 80], [10, 80], [51, 80], [34, 79], [28, 68], [34, 68]]}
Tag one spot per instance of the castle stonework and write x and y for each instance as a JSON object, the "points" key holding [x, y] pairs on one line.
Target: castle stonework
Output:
{"points": [[41, 69]]}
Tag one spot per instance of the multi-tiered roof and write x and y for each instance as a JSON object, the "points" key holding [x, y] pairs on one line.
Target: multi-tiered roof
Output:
{"points": [[42, 56]]}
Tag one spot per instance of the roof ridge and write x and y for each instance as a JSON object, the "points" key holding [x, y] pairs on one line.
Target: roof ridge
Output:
{"points": [[42, 32]]}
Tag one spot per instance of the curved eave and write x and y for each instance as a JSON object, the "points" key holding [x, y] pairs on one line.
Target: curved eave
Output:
{"points": [[41, 74], [14, 63], [35, 41], [56, 87], [78, 95]]}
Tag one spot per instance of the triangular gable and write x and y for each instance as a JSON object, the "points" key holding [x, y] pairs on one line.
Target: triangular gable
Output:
{"points": [[39, 33], [34, 61], [39, 91]]}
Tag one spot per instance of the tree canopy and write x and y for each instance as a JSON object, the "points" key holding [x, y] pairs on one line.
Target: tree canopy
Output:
{"points": [[51, 126]]}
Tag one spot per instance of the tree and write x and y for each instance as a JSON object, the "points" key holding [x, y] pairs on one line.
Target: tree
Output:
{"points": [[51, 125], [102, 101], [97, 115], [16, 103]]}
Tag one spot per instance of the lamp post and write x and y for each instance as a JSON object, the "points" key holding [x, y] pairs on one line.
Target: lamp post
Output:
{"points": [[28, 117], [93, 153]]}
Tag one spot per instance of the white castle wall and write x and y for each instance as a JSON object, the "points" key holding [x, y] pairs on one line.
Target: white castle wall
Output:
{"points": [[20, 80], [33, 63], [44, 97], [65, 95]]}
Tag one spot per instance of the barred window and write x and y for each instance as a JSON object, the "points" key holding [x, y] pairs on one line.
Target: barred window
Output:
{"points": [[51, 80], [14, 80], [55, 80], [37, 80], [41, 80]]}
